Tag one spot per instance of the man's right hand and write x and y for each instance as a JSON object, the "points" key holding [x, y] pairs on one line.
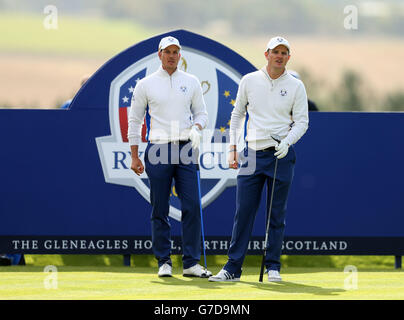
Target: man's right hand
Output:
{"points": [[233, 160], [137, 166]]}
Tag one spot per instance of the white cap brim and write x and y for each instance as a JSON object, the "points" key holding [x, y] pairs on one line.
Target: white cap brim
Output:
{"points": [[277, 41], [169, 41]]}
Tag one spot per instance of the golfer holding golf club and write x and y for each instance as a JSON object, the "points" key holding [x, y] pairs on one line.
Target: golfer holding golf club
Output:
{"points": [[177, 115], [276, 104]]}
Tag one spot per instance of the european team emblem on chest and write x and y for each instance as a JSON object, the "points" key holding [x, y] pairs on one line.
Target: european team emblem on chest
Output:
{"points": [[183, 89], [283, 92]]}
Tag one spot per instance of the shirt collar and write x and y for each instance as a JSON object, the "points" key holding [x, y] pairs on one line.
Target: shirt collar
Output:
{"points": [[163, 72], [264, 69]]}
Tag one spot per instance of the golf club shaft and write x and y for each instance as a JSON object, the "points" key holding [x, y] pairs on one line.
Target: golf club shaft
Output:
{"points": [[200, 208], [267, 224]]}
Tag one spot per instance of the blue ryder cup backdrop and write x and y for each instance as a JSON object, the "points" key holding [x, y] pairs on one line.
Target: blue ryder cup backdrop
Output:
{"points": [[67, 172]]}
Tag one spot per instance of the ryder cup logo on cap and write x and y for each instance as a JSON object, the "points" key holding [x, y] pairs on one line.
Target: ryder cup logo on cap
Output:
{"points": [[168, 41], [277, 41]]}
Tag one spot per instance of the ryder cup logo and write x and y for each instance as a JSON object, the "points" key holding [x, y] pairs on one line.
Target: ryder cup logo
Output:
{"points": [[219, 84]]}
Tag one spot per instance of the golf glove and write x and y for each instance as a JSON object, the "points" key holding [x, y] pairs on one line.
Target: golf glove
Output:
{"points": [[195, 137], [281, 149]]}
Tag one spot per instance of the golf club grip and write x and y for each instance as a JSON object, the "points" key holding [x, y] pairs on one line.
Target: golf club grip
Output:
{"points": [[195, 154]]}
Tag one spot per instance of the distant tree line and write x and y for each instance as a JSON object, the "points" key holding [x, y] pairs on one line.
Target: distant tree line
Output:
{"points": [[240, 16]]}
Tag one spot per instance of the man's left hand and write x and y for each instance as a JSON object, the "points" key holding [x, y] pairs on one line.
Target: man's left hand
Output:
{"points": [[195, 136], [282, 149]]}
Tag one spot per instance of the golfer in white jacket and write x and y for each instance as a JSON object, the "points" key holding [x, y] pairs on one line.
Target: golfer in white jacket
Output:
{"points": [[177, 115], [276, 103]]}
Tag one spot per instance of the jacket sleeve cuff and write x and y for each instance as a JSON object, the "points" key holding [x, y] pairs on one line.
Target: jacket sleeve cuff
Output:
{"points": [[134, 141]]}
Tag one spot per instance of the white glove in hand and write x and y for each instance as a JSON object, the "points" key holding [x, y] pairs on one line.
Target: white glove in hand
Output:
{"points": [[195, 137], [282, 149]]}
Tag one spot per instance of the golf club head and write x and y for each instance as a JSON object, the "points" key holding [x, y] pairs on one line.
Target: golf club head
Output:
{"points": [[204, 275], [276, 138]]}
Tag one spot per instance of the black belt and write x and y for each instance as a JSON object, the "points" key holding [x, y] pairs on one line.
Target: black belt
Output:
{"points": [[180, 142], [267, 149]]}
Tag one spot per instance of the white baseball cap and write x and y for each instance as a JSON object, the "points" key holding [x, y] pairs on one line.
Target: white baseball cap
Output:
{"points": [[277, 41], [168, 41]]}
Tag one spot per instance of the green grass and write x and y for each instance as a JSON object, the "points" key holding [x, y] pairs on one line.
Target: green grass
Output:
{"points": [[105, 277], [374, 262], [19, 282], [81, 36]]}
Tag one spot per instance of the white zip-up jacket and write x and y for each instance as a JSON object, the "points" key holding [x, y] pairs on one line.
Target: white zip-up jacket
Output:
{"points": [[175, 104], [274, 106]]}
